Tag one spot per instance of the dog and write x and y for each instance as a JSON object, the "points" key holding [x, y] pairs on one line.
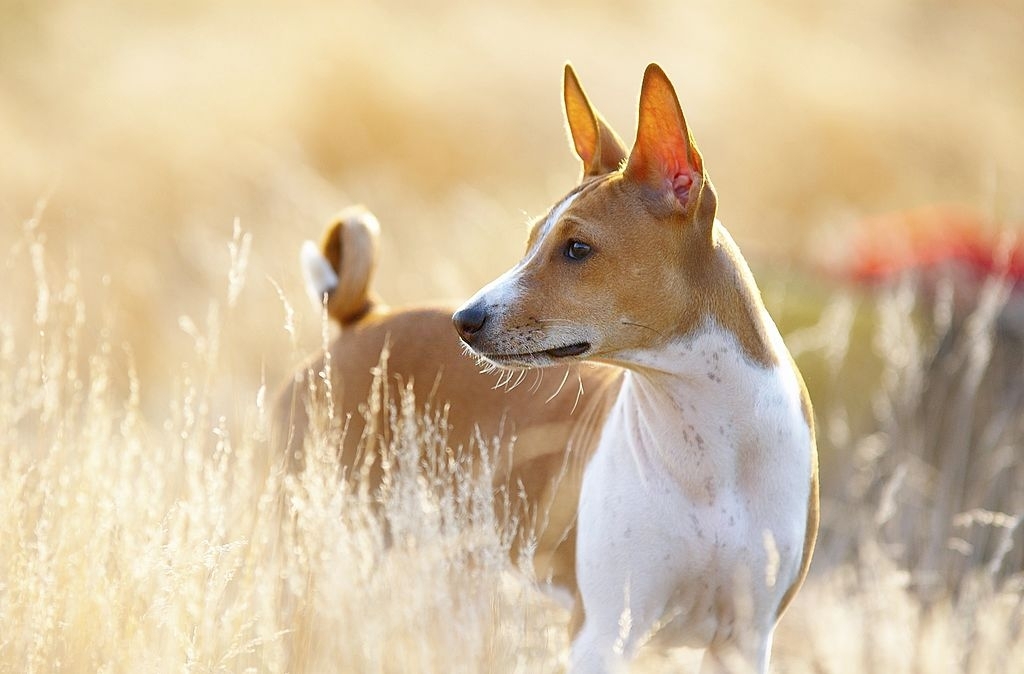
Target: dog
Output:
{"points": [[679, 491], [546, 427], [698, 510]]}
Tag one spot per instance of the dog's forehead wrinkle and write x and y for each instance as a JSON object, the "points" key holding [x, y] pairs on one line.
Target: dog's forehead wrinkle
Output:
{"points": [[578, 221]]}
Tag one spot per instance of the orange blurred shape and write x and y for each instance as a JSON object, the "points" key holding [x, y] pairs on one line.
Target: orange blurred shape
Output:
{"points": [[929, 238]]}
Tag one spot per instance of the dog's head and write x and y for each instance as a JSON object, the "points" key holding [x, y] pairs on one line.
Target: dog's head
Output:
{"points": [[616, 266]]}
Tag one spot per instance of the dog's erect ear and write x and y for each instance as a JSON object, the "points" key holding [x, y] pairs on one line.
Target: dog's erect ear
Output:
{"points": [[665, 157], [600, 148]]}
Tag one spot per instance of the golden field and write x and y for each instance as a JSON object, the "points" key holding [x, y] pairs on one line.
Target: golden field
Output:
{"points": [[145, 526]]}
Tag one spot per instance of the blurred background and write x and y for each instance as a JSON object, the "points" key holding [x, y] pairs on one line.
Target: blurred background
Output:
{"points": [[850, 142], [147, 128]]}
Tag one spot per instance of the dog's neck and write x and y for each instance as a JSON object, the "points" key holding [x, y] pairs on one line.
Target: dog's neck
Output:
{"points": [[692, 393], [718, 350], [695, 402]]}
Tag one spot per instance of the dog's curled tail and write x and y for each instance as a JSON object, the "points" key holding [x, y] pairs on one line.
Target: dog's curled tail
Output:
{"points": [[341, 267]]}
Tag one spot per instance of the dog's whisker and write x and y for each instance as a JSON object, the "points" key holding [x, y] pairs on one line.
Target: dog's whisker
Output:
{"points": [[504, 378], [641, 325], [537, 379], [579, 392], [519, 380], [559, 389]]}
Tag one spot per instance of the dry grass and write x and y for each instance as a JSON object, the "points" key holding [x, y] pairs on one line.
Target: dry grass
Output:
{"points": [[131, 545], [919, 563], [186, 546], [147, 526], [150, 128]]}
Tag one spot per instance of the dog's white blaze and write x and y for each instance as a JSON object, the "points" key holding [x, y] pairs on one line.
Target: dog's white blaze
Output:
{"points": [[320, 278], [555, 215], [506, 289], [703, 455], [500, 292]]}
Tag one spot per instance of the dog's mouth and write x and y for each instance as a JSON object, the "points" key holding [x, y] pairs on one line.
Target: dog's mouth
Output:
{"points": [[577, 349], [534, 358]]}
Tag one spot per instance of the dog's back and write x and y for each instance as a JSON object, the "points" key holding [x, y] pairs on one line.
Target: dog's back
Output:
{"points": [[553, 417]]}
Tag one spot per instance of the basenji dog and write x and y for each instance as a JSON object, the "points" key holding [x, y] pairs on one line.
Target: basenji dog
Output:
{"points": [[698, 509], [674, 484], [543, 428]]}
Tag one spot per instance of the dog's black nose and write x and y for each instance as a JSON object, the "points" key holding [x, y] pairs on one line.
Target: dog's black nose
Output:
{"points": [[469, 320]]}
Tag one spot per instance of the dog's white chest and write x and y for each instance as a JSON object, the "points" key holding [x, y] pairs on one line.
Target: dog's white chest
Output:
{"points": [[696, 495]]}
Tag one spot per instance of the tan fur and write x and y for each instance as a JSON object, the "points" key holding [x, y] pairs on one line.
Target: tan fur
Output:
{"points": [[660, 275], [350, 247], [554, 431], [660, 267], [596, 144]]}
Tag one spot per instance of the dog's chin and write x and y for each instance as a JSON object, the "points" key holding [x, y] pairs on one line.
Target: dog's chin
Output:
{"points": [[534, 359]]}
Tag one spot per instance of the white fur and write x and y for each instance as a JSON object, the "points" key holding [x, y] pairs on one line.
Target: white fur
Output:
{"points": [[320, 277], [501, 292], [506, 290], [555, 215], [693, 509]]}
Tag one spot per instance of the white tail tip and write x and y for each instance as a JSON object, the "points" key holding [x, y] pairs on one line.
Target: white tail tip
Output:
{"points": [[320, 277]]}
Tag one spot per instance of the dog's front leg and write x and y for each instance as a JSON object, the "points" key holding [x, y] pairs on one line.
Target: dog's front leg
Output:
{"points": [[592, 654], [625, 572], [746, 655]]}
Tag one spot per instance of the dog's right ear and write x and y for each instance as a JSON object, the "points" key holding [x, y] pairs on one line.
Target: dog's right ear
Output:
{"points": [[596, 144], [665, 158]]}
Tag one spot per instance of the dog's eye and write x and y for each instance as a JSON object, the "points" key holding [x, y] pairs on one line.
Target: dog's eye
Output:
{"points": [[576, 250]]}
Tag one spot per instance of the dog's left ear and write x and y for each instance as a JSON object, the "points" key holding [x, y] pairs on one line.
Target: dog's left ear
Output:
{"points": [[596, 144], [665, 158]]}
